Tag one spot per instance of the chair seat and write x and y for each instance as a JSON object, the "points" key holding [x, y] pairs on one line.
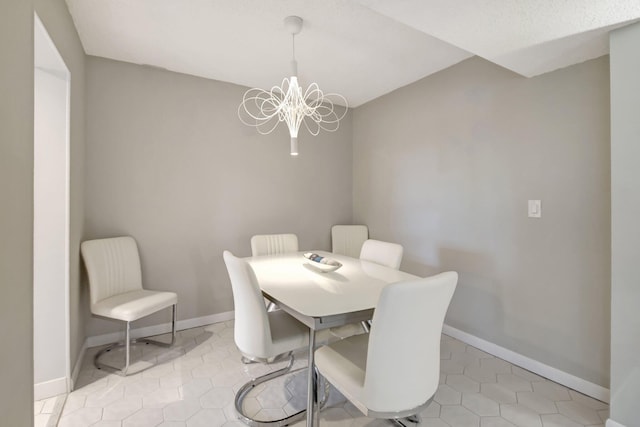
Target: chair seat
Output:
{"points": [[134, 305], [344, 362], [348, 330]]}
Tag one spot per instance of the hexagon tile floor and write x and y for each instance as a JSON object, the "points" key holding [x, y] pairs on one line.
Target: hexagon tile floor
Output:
{"points": [[193, 384]]}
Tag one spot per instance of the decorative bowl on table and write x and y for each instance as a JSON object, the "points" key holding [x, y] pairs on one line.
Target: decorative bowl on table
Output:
{"points": [[323, 264]]}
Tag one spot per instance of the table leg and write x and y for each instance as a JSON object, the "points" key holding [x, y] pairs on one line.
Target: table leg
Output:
{"points": [[312, 384]]}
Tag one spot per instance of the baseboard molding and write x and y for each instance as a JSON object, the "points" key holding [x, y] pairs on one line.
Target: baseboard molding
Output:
{"points": [[585, 387], [77, 366], [47, 389], [611, 423], [561, 377], [148, 331]]}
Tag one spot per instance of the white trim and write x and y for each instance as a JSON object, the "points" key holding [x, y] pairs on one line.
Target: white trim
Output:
{"points": [[583, 386], [77, 366], [148, 331], [47, 389], [67, 232], [611, 423], [62, 72]]}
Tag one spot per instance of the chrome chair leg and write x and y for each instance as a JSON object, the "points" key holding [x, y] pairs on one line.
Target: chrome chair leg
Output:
{"points": [[246, 388], [272, 306], [127, 345], [366, 326], [409, 421], [127, 341]]}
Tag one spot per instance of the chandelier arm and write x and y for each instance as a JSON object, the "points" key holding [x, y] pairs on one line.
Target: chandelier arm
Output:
{"points": [[288, 103], [312, 127], [261, 129]]}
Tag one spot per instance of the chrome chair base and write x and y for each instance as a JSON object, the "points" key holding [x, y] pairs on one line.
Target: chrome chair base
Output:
{"points": [[127, 344], [408, 421], [409, 418], [246, 388]]}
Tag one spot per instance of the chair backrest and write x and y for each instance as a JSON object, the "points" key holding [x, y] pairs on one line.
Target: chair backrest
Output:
{"points": [[383, 253], [271, 244], [404, 343], [348, 239], [113, 266], [252, 332]]}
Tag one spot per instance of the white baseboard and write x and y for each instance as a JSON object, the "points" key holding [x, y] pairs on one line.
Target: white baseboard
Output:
{"points": [[611, 423], [47, 389], [590, 389], [77, 366], [148, 331]]}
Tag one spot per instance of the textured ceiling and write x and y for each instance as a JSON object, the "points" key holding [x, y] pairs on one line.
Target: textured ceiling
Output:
{"points": [[361, 49]]}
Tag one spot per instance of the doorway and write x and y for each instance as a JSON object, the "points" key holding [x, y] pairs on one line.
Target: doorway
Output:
{"points": [[52, 371]]}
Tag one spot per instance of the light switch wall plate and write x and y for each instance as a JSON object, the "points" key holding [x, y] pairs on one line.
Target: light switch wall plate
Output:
{"points": [[535, 209]]}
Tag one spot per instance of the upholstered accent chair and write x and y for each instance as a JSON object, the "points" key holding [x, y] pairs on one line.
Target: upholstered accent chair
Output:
{"points": [[115, 288]]}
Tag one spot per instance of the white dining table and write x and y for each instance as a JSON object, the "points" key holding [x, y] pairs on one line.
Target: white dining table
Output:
{"points": [[322, 300]]}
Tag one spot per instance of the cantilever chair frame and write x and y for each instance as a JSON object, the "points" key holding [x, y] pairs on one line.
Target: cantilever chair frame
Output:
{"points": [[243, 283], [250, 385], [410, 415], [128, 341]]}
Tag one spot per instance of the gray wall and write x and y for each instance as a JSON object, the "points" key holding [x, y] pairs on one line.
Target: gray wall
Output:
{"points": [[57, 20], [625, 232], [169, 163], [16, 189], [16, 214], [445, 167]]}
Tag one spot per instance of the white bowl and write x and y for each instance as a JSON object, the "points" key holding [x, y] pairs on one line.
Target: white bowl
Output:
{"points": [[323, 264]]}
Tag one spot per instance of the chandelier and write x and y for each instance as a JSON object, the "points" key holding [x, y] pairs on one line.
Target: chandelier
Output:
{"points": [[288, 103]]}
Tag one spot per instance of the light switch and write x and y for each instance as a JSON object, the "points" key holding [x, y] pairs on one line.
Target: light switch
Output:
{"points": [[535, 209]]}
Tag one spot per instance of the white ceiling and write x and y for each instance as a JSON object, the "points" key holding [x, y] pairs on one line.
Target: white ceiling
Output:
{"points": [[361, 49]]}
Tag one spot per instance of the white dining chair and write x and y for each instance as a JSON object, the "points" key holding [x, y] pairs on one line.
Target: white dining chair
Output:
{"points": [[115, 291], [271, 244], [393, 372], [383, 253], [348, 239], [261, 336]]}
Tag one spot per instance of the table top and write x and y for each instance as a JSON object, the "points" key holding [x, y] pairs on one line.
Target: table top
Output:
{"points": [[293, 283]]}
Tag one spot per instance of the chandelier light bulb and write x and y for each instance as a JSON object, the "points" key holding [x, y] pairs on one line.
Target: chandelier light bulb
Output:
{"points": [[289, 103]]}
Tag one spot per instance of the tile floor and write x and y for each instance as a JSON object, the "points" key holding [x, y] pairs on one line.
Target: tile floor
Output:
{"points": [[46, 412], [194, 384]]}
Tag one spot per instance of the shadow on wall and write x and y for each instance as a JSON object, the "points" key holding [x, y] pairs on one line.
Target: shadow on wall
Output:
{"points": [[477, 305], [483, 301]]}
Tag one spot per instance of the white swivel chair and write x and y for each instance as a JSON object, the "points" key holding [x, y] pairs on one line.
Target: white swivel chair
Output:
{"points": [[115, 288], [383, 253], [261, 336], [271, 244], [393, 371], [348, 239]]}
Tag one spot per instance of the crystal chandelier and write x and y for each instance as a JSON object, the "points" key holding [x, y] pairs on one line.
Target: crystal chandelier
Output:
{"points": [[290, 104]]}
